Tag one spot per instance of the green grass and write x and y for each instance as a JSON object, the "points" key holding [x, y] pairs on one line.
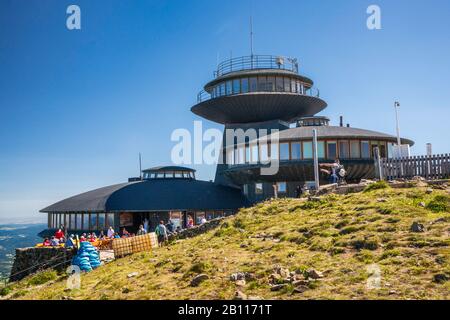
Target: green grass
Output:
{"points": [[340, 236]]}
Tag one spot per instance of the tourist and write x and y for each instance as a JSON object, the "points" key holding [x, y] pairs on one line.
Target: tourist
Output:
{"points": [[54, 242], [335, 172], [111, 232], [178, 229], [141, 231], [70, 243], [146, 224], [59, 234], [170, 226], [161, 232], [190, 222], [46, 243], [101, 235], [203, 220], [116, 236], [125, 233], [83, 237]]}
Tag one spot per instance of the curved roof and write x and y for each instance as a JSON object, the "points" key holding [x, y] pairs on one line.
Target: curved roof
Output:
{"points": [[153, 195], [336, 132], [168, 168], [259, 107]]}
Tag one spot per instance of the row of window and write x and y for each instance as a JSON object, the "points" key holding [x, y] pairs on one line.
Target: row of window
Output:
{"points": [[303, 150], [259, 84], [81, 221], [259, 188], [169, 174]]}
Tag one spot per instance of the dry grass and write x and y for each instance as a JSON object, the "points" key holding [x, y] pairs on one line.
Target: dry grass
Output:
{"points": [[339, 235]]}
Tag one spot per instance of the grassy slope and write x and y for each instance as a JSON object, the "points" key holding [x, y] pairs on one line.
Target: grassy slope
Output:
{"points": [[326, 235]]}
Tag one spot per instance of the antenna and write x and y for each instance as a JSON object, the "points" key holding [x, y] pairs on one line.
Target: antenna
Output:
{"points": [[140, 166], [251, 36]]}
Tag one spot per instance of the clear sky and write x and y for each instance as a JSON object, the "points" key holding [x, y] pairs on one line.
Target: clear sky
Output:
{"points": [[76, 107]]}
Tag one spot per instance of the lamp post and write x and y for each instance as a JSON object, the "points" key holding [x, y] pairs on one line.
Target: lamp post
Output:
{"points": [[396, 106]]}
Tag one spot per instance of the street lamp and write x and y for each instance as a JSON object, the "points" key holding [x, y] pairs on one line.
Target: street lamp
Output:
{"points": [[396, 106]]}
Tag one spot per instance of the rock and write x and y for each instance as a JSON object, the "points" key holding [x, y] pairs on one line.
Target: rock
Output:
{"points": [[254, 298], [381, 200], [66, 298], [237, 276], [278, 287], [239, 295], [241, 283], [283, 272], [243, 245], [314, 274], [440, 220], [300, 289], [422, 204], [133, 274], [418, 178], [199, 279], [126, 290], [440, 278], [275, 277], [300, 283], [417, 227], [315, 199], [392, 292], [429, 191]]}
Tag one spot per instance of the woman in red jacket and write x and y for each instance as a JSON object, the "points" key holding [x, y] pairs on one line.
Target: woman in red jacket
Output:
{"points": [[59, 234]]}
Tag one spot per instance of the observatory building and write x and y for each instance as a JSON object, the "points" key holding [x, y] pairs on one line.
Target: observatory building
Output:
{"points": [[264, 93]]}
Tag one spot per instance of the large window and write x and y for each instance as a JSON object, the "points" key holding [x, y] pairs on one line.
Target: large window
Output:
{"points": [[343, 149], [101, 221], [86, 221], [229, 89], [254, 153], [253, 84], [296, 151], [93, 221], [236, 86], [264, 152], [282, 187], [287, 85], [262, 83], [241, 155], [331, 150], [270, 86], [259, 188], [110, 219], [244, 85], [284, 151], [230, 156], [279, 84], [321, 149], [354, 149], [365, 150], [307, 150]]}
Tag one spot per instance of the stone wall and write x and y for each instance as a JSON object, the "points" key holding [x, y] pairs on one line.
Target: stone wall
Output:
{"points": [[197, 230], [31, 260]]}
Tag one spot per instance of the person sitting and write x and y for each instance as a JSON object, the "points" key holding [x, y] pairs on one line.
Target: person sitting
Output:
{"points": [[83, 237], [125, 233], [59, 234], [336, 171], [178, 229], [70, 243], [203, 220], [54, 242], [92, 238], [46, 243], [111, 233], [170, 226], [141, 230], [116, 236]]}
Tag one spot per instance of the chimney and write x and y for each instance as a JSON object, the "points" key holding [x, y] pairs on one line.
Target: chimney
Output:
{"points": [[348, 125], [341, 123]]}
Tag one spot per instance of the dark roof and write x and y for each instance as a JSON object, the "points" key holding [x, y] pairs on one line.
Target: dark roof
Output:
{"points": [[336, 132], [154, 195], [168, 168]]}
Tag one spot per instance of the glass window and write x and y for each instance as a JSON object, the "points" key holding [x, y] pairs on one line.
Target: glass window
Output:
{"points": [[199, 216], [79, 217], [343, 149], [321, 149], [282, 187], [247, 154], [230, 156], [86, 221], [287, 85], [246, 189], [365, 150], [262, 83], [73, 222], [178, 174], [390, 149], [284, 151], [331, 150], [274, 151], [254, 153], [222, 89], [229, 89], [301, 88], [110, 220], [253, 84], [270, 84], [258, 188], [264, 152], [382, 149], [293, 86], [354, 150], [307, 150], [244, 85], [93, 221], [296, 151], [101, 221], [236, 86], [241, 156], [279, 84]]}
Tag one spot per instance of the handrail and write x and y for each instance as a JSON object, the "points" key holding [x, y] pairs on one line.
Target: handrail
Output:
{"points": [[256, 62]]}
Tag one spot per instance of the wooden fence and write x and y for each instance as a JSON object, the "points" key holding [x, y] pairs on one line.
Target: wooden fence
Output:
{"points": [[429, 167]]}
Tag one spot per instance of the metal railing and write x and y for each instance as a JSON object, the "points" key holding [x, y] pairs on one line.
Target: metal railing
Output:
{"points": [[312, 92], [256, 62]]}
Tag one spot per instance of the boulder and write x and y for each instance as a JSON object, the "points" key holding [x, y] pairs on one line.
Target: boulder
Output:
{"points": [[199, 279], [278, 287], [314, 274], [417, 227]]}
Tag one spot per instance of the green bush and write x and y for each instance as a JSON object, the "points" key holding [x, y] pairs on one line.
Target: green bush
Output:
{"points": [[5, 291], [377, 186], [440, 203], [42, 277]]}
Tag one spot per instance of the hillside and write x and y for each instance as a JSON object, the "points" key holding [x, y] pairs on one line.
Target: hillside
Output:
{"points": [[330, 246]]}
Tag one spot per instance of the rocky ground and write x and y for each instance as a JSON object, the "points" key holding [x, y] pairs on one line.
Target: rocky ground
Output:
{"points": [[386, 242]]}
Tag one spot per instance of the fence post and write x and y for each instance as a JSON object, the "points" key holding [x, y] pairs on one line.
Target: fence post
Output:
{"points": [[378, 163]]}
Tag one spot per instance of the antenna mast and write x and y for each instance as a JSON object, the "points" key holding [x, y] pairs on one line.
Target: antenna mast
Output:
{"points": [[140, 166], [251, 37]]}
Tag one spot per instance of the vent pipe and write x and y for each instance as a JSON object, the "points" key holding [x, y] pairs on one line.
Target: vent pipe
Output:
{"points": [[341, 122], [348, 125]]}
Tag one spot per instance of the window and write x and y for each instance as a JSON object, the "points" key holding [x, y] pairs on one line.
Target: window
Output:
{"points": [[247, 154], [282, 187], [331, 150], [390, 149], [199, 216], [262, 83], [86, 221], [365, 150], [93, 221], [79, 217], [264, 152], [101, 221], [270, 86], [241, 155], [343, 149], [274, 151], [293, 86], [110, 219], [287, 85], [246, 189], [73, 222], [307, 150], [279, 84], [301, 88], [230, 156], [222, 89], [259, 188], [244, 85], [253, 84], [254, 153], [321, 149], [284, 151], [296, 151], [229, 88], [354, 150], [236, 86]]}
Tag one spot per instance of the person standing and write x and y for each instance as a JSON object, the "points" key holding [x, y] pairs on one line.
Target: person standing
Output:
{"points": [[146, 224], [110, 233], [141, 231], [161, 232], [333, 171]]}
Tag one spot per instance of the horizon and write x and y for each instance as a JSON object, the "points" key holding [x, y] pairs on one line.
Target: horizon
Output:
{"points": [[79, 106]]}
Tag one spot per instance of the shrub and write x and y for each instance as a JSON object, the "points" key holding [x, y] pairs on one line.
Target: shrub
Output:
{"points": [[440, 203], [42, 277], [377, 186], [5, 291], [367, 243]]}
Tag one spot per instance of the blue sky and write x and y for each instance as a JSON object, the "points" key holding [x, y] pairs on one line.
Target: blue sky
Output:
{"points": [[76, 107]]}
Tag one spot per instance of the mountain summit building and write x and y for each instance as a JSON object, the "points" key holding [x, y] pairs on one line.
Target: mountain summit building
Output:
{"points": [[264, 93]]}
